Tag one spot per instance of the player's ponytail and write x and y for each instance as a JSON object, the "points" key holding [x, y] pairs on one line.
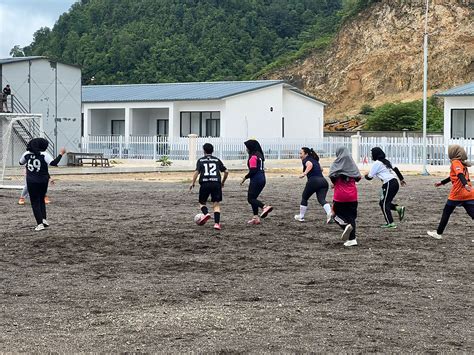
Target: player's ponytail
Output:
{"points": [[311, 153], [378, 154]]}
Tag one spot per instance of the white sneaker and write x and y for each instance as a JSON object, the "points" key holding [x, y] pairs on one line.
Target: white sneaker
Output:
{"points": [[45, 223], [298, 218], [351, 243], [330, 218], [434, 234], [39, 227], [347, 232]]}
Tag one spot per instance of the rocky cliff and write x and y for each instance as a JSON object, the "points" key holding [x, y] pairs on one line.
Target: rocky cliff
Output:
{"points": [[378, 56]]}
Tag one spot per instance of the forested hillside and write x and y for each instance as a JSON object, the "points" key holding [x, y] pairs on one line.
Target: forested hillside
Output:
{"points": [[147, 41]]}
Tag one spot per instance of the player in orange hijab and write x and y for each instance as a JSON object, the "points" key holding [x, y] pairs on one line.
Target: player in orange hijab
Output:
{"points": [[462, 192]]}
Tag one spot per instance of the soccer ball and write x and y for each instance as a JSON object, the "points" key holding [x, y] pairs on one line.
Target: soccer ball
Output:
{"points": [[197, 218]]}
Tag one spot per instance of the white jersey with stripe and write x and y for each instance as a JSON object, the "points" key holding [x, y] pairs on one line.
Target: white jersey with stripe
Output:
{"points": [[380, 171]]}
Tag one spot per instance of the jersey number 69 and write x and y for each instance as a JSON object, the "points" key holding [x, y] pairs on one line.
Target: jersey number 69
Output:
{"points": [[34, 164]]}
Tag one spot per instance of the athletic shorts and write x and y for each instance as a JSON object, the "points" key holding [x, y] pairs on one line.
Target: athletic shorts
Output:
{"points": [[214, 189], [459, 203]]}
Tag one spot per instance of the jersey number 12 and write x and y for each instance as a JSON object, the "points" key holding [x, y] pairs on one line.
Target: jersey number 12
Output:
{"points": [[210, 169]]}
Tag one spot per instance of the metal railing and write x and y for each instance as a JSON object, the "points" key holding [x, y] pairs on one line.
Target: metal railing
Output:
{"points": [[154, 147], [30, 130], [399, 150]]}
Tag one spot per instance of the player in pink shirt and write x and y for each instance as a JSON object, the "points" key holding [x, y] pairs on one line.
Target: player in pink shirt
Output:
{"points": [[344, 174], [256, 174]]}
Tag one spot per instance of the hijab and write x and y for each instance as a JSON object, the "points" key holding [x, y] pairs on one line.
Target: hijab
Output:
{"points": [[378, 154], [456, 152], [344, 164], [37, 145], [254, 148]]}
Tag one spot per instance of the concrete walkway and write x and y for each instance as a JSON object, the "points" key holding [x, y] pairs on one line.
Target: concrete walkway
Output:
{"points": [[177, 166], [149, 166]]}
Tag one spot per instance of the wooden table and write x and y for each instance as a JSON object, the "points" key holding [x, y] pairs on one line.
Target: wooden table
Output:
{"points": [[81, 159]]}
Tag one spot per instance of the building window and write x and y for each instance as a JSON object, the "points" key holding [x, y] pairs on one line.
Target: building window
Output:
{"points": [[118, 127], [204, 124], [462, 123], [162, 128], [213, 127]]}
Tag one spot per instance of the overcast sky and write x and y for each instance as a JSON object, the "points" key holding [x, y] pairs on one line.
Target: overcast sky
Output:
{"points": [[19, 19]]}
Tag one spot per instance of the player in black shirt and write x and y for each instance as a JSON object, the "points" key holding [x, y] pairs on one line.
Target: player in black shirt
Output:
{"points": [[209, 169], [37, 176]]}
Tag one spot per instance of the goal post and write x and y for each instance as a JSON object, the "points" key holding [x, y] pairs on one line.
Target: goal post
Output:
{"points": [[16, 130]]}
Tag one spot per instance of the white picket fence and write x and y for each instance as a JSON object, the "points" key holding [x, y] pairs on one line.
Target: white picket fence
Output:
{"points": [[149, 147], [409, 150], [400, 150]]}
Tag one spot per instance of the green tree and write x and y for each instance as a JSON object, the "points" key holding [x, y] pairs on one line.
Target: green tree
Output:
{"points": [[129, 41], [405, 115], [17, 51]]}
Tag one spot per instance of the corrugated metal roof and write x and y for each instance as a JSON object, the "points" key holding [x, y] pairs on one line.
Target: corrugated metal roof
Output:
{"points": [[19, 59], [24, 59], [172, 91], [463, 90]]}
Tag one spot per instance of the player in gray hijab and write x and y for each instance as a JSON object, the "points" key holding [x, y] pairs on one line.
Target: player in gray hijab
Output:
{"points": [[344, 164], [344, 174]]}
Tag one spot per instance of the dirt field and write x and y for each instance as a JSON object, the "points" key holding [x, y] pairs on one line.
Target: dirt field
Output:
{"points": [[123, 268]]}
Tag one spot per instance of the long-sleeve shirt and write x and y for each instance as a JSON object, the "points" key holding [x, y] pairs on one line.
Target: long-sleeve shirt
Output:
{"points": [[37, 166], [459, 177], [256, 167]]}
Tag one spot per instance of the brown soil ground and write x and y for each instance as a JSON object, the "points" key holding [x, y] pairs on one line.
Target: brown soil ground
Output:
{"points": [[123, 268]]}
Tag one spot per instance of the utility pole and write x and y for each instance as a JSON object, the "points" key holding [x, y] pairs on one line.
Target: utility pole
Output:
{"points": [[425, 87]]}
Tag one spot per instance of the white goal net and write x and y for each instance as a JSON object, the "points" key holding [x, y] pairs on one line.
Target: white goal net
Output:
{"points": [[16, 130]]}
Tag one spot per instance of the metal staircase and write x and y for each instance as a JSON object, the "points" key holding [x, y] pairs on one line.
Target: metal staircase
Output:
{"points": [[29, 130]]}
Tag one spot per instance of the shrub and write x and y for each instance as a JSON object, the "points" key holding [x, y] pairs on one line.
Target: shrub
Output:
{"points": [[395, 116]]}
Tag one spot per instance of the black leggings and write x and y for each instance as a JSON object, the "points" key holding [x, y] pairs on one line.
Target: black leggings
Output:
{"points": [[449, 208], [346, 213], [255, 188], [389, 190], [318, 185], [37, 191]]}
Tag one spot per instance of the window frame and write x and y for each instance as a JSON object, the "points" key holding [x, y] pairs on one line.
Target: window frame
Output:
{"points": [[112, 127], [202, 125], [166, 127], [464, 110]]}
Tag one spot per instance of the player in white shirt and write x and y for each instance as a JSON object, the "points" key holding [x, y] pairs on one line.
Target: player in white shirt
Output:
{"points": [[382, 169]]}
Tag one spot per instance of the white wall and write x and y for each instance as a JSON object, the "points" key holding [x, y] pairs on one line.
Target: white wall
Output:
{"points": [[101, 120], [139, 111], [69, 106], [53, 87], [249, 114], [303, 116], [196, 106], [456, 102], [253, 114], [144, 120]]}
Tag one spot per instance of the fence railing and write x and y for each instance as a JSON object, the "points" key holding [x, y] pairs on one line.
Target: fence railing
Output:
{"points": [[153, 147], [400, 150], [409, 150]]}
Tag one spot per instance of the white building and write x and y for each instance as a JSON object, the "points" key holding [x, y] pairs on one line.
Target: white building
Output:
{"points": [[238, 109], [459, 111], [43, 86]]}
